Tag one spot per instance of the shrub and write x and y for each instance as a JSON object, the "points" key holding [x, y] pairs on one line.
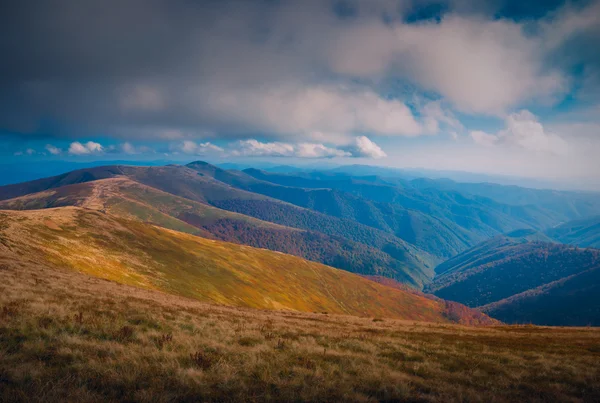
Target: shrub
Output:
{"points": [[164, 339], [202, 359], [125, 333], [248, 341]]}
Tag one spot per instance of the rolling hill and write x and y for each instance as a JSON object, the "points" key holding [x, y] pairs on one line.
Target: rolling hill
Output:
{"points": [[125, 198], [583, 232], [439, 219], [570, 301], [490, 250], [560, 206], [150, 257], [90, 340], [397, 228], [521, 278]]}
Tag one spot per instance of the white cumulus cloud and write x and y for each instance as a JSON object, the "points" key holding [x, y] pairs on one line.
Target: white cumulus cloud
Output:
{"points": [[53, 149], [193, 148], [312, 150], [362, 147], [366, 148], [523, 130], [91, 147], [255, 148], [304, 110]]}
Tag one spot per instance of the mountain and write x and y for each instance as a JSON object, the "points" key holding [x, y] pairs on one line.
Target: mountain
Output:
{"points": [[11, 173], [463, 177], [584, 232], [569, 301], [520, 278], [70, 337], [490, 250], [397, 228], [147, 256], [561, 205], [128, 199], [442, 223], [343, 243]]}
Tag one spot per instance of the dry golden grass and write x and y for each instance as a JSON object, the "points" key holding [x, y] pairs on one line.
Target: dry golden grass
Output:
{"points": [[65, 336], [143, 255]]}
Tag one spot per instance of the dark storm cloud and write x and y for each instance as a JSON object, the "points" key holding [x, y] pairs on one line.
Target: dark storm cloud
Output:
{"points": [[179, 69]]}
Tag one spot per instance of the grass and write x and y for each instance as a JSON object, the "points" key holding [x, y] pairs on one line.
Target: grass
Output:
{"points": [[142, 255], [66, 336]]}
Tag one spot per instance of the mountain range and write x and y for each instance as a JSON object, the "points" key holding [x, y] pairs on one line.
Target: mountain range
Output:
{"points": [[471, 243], [148, 256], [523, 278]]}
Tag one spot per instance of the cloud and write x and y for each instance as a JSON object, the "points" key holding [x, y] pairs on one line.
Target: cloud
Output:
{"points": [[28, 151], [311, 150], [296, 76], [478, 65], [128, 148], [281, 69], [523, 130], [77, 148], [292, 110], [255, 148], [483, 138], [435, 117], [192, 148], [362, 147], [53, 150], [366, 148], [142, 97]]}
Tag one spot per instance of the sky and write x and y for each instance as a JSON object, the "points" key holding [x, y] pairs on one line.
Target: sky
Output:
{"points": [[490, 86]]}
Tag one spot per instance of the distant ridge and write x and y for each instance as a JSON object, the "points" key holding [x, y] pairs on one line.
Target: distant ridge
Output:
{"points": [[341, 243]]}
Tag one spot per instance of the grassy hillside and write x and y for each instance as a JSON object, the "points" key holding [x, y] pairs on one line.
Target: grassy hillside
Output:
{"points": [[65, 336], [126, 198], [394, 257], [364, 225], [69, 178], [584, 232], [409, 263], [143, 255]]}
